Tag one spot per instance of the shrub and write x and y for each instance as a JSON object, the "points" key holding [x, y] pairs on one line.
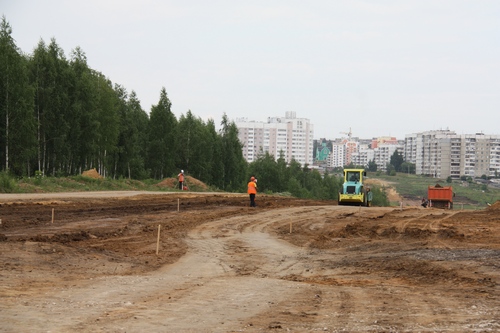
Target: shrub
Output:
{"points": [[7, 183], [38, 177]]}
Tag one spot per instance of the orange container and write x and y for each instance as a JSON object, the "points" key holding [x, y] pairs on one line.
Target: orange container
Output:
{"points": [[440, 193]]}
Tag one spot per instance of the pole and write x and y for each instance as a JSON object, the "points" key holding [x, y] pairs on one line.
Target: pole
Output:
{"points": [[158, 240], [178, 202], [52, 215]]}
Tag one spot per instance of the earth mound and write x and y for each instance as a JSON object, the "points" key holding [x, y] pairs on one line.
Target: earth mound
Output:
{"points": [[495, 206], [189, 182], [92, 173]]}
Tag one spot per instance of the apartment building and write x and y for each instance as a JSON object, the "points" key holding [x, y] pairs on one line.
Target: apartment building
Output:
{"points": [[388, 140], [430, 152], [363, 155], [443, 153], [480, 155], [291, 135], [336, 159], [381, 155]]}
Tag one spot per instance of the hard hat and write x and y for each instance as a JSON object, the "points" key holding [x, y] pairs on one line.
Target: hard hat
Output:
{"points": [[252, 178], [182, 171]]}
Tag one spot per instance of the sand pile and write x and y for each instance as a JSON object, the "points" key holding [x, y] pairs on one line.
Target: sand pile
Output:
{"points": [[189, 182], [92, 173], [495, 206]]}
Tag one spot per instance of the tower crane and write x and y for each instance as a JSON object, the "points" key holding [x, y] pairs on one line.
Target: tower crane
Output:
{"points": [[349, 134]]}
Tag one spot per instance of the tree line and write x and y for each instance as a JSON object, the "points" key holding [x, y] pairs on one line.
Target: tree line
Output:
{"points": [[59, 117]]}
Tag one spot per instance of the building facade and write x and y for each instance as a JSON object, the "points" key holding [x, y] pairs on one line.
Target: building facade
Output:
{"points": [[290, 135], [336, 159], [443, 153]]}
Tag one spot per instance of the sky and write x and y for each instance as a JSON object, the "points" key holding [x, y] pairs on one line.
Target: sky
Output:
{"points": [[375, 68]]}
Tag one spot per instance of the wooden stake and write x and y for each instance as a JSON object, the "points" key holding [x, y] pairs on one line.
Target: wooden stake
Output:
{"points": [[290, 226], [178, 200], [158, 240], [52, 215]]}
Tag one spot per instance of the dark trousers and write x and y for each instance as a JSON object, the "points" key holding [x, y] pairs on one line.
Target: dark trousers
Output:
{"points": [[181, 187], [252, 200]]}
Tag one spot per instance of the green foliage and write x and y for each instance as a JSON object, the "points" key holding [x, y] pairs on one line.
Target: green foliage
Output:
{"points": [[379, 197], [7, 183], [38, 177], [17, 121], [390, 169], [265, 169], [233, 163], [162, 130], [195, 150], [449, 180], [274, 176], [408, 167], [397, 160], [372, 166]]}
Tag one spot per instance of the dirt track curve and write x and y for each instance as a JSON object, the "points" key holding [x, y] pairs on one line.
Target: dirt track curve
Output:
{"points": [[288, 265]]}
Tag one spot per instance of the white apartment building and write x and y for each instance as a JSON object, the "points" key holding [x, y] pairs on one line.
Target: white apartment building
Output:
{"points": [[430, 152], [443, 153], [363, 155], [380, 155], [383, 153], [291, 135], [336, 159]]}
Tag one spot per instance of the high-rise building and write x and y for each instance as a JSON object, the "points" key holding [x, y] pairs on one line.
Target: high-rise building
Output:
{"points": [[362, 156], [290, 135], [443, 153], [336, 159]]}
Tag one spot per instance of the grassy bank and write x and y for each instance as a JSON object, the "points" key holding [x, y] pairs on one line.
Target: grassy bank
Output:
{"points": [[467, 195], [82, 183]]}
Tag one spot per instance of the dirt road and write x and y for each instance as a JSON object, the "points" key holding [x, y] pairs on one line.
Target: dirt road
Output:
{"points": [[287, 266]]}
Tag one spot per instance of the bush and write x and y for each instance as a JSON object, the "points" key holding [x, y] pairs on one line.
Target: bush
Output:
{"points": [[38, 178], [379, 197], [7, 183]]}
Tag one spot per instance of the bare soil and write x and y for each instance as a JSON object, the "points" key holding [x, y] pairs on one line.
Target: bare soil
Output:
{"points": [[287, 265]]}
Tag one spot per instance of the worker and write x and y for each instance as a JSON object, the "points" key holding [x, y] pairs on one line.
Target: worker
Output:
{"points": [[424, 202], [180, 176], [369, 197], [252, 190]]}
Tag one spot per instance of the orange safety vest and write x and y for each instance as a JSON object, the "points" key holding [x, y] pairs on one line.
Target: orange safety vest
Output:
{"points": [[181, 177], [252, 188]]}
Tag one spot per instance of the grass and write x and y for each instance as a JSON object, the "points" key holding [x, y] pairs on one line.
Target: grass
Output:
{"points": [[467, 195], [82, 183]]}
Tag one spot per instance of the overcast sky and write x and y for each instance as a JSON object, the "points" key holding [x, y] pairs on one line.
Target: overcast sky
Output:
{"points": [[379, 67]]}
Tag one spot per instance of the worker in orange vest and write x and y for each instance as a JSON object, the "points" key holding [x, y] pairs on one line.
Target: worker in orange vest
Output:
{"points": [[252, 190], [181, 180]]}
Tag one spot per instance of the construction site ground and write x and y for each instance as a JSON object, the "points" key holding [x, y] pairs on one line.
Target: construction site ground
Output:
{"points": [[206, 262]]}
